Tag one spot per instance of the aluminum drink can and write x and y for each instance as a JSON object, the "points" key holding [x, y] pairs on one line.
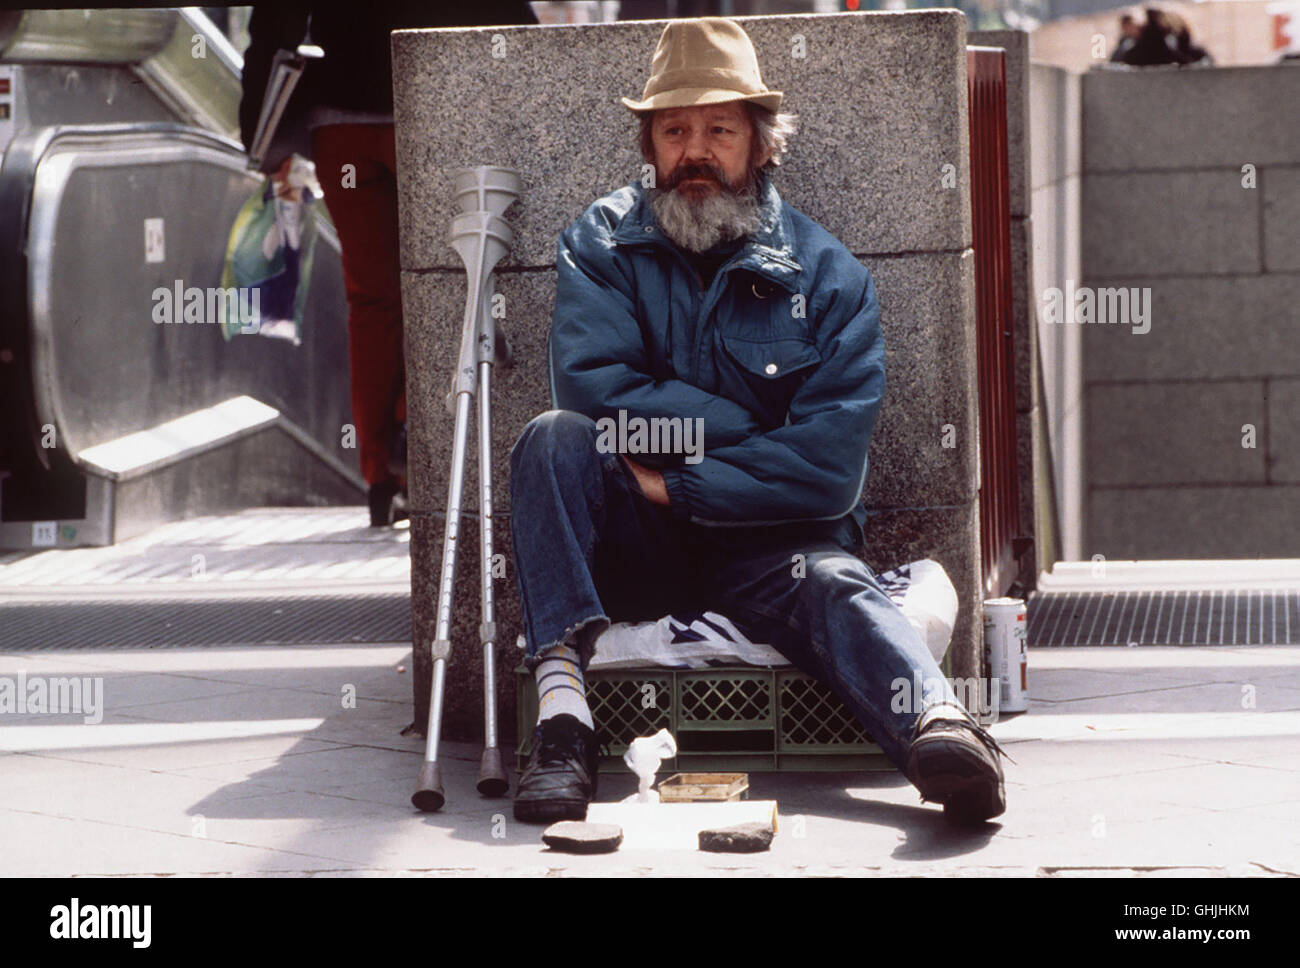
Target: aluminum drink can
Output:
{"points": [[1006, 652]]}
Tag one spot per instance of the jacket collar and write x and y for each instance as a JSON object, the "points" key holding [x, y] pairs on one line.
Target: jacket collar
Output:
{"points": [[769, 252]]}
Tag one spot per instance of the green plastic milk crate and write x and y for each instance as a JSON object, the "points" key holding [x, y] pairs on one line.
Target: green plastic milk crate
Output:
{"points": [[739, 718]]}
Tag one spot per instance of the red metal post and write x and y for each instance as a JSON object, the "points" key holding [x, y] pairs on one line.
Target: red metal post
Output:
{"points": [[991, 227]]}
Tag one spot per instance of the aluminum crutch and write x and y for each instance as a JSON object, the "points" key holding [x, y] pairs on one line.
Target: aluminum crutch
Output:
{"points": [[481, 238], [491, 189]]}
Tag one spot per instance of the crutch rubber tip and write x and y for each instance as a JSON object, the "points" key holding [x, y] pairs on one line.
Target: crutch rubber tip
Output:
{"points": [[492, 779], [428, 795]]}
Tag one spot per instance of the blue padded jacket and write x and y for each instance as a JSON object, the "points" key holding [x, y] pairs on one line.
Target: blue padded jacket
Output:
{"points": [[782, 356]]}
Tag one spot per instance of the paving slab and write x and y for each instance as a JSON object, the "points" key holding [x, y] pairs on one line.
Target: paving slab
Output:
{"points": [[45, 845]]}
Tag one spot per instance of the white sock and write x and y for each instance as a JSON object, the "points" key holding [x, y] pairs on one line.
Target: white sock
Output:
{"points": [[560, 686]]}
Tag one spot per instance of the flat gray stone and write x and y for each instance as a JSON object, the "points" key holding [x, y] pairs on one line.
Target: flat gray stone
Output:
{"points": [[1155, 223], [1175, 433], [743, 838], [1158, 119], [1284, 431], [1192, 522], [1186, 340], [580, 837], [1282, 220]]}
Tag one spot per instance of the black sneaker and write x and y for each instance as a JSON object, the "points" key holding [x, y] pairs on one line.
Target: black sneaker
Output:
{"points": [[954, 761], [561, 776]]}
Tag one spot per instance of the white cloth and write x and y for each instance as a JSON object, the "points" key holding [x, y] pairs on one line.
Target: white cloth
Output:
{"points": [[921, 590]]}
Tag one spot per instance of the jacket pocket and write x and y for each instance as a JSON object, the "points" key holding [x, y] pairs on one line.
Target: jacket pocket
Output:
{"points": [[768, 373], [774, 359]]}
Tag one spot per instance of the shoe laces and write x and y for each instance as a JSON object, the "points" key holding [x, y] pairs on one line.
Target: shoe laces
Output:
{"points": [[982, 734], [562, 742], [555, 744]]}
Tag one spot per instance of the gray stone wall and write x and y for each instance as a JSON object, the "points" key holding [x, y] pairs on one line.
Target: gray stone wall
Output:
{"points": [[882, 105], [1168, 206]]}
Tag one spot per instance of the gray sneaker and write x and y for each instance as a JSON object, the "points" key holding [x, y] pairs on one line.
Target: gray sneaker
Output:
{"points": [[954, 761]]}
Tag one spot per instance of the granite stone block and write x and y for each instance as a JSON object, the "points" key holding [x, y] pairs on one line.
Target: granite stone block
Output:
{"points": [[1169, 223], [1175, 432], [1282, 219], [462, 715], [434, 305], [1029, 559], [1194, 522], [1202, 327], [881, 99], [950, 536], [1025, 472], [1284, 434], [1024, 334], [929, 361], [1229, 116]]}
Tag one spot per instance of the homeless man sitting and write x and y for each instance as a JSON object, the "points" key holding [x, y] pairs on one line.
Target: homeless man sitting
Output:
{"points": [[706, 302]]}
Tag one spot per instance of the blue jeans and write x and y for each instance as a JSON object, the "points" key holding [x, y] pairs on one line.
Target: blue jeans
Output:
{"points": [[591, 549]]}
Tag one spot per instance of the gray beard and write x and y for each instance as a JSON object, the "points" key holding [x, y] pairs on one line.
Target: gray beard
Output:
{"points": [[699, 226]]}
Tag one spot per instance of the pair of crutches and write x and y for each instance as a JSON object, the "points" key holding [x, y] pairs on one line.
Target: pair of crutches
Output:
{"points": [[481, 238]]}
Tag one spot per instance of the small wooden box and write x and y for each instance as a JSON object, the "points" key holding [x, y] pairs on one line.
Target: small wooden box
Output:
{"points": [[704, 787]]}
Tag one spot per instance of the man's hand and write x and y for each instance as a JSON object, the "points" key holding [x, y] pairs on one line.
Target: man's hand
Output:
{"points": [[650, 481]]}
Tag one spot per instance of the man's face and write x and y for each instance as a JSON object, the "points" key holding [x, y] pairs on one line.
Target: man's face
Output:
{"points": [[695, 147]]}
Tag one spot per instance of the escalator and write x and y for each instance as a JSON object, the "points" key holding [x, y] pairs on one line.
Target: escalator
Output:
{"points": [[119, 184]]}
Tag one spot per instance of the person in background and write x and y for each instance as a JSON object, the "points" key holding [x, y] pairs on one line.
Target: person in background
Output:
{"points": [[1129, 31], [1164, 39], [1176, 29], [342, 112]]}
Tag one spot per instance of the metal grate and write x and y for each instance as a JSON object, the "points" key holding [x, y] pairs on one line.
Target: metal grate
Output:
{"points": [[1183, 617], [166, 623], [812, 716]]}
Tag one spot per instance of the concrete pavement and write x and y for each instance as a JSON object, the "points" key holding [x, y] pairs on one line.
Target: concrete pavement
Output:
{"points": [[234, 761]]}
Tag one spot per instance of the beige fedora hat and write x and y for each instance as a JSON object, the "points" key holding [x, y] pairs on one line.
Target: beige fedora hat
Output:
{"points": [[706, 60]]}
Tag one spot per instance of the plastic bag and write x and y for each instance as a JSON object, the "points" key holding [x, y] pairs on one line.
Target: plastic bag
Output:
{"points": [[269, 259], [921, 589]]}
